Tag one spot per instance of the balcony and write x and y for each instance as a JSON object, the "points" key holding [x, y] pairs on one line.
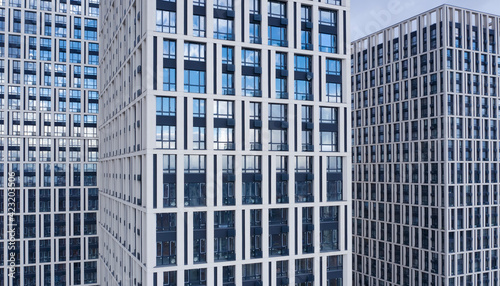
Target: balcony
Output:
{"points": [[224, 255], [224, 146], [278, 251], [166, 260], [169, 202], [307, 147], [229, 201], [193, 202], [255, 146], [282, 199], [249, 200]]}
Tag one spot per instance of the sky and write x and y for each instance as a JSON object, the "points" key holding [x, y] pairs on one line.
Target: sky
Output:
{"points": [[369, 16]]}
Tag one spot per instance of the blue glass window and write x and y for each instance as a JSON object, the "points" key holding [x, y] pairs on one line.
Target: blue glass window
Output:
{"points": [[194, 81], [169, 79], [166, 21]]}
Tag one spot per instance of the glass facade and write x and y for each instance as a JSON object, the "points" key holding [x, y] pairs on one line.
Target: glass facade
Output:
{"points": [[243, 168], [426, 151], [48, 140]]}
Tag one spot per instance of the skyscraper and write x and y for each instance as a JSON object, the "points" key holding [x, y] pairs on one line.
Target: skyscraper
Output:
{"points": [[426, 151], [48, 142], [224, 138]]}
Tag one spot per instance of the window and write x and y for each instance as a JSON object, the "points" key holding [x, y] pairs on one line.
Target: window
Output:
{"points": [[278, 140], [48, 25], [89, 34], [255, 133], [30, 23], [77, 25], [2, 22], [223, 4], [76, 9], [306, 35], [254, 6], [199, 138], [303, 90], [227, 84], [305, 13], [195, 194], [250, 58], [255, 36], [276, 9], [328, 115], [307, 113], [306, 40], [168, 49], [251, 164], [303, 63], [328, 141], [75, 52], [200, 3], [281, 88], [224, 138], [255, 139], [194, 52], [278, 243], [251, 85], [223, 109], [166, 248], [199, 29], [165, 106], [303, 164], [281, 61], [14, 46], [93, 59], [227, 55], [194, 81], [88, 82], [169, 79], [195, 276], [194, 164], [165, 21], [228, 164], [277, 36], [200, 248], [334, 92], [329, 236], [333, 67], [304, 266], [327, 43], [223, 29], [198, 107], [169, 192], [327, 18], [87, 70], [224, 246], [278, 112], [16, 27], [32, 49], [281, 82], [165, 135], [334, 183]]}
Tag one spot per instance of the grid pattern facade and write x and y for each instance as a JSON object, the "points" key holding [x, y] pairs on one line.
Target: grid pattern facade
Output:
{"points": [[225, 150], [425, 176], [48, 138]]}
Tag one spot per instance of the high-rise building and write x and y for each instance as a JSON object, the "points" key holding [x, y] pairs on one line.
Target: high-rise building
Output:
{"points": [[224, 136], [48, 142], [426, 151]]}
